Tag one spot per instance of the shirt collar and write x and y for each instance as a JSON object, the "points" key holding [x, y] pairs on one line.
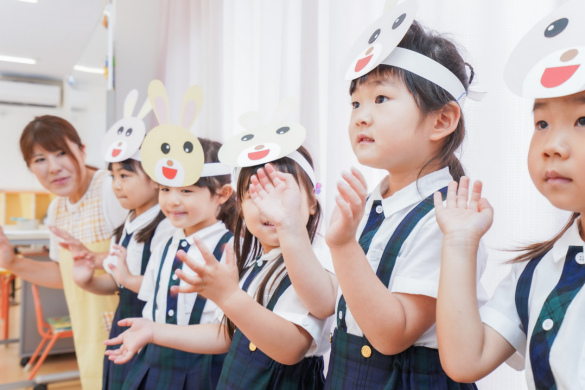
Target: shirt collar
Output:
{"points": [[413, 193], [203, 234], [570, 238], [272, 255], [142, 220]]}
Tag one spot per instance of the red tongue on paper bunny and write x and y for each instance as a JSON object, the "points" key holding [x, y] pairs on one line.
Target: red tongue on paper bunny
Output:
{"points": [[553, 77], [169, 173], [362, 63], [258, 155], [116, 152]]}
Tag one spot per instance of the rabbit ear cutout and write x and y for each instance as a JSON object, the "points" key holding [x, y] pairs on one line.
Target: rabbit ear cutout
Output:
{"points": [[389, 4], [192, 101], [250, 120], [130, 103], [157, 95], [146, 108], [284, 110]]}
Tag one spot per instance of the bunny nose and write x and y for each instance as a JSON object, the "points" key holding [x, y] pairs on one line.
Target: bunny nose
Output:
{"points": [[170, 163], [120, 143], [370, 50], [569, 55], [259, 147]]}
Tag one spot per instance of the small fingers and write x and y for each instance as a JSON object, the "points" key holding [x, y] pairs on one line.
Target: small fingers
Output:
{"points": [[356, 184], [475, 195], [462, 193], [452, 195], [438, 198]]}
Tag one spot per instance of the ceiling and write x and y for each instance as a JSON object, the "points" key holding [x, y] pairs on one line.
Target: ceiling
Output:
{"points": [[57, 33]]}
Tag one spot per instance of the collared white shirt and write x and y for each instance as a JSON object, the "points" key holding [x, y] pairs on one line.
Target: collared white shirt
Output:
{"points": [[211, 312], [567, 355], [163, 232], [289, 306], [418, 264]]}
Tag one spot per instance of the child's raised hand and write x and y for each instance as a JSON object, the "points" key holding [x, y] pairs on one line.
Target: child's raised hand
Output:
{"points": [[277, 195], [6, 251], [349, 209], [460, 219], [69, 242], [140, 333], [121, 271], [214, 280], [83, 268]]}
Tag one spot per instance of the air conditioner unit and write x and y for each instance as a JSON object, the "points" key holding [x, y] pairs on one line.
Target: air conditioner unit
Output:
{"points": [[32, 94]]}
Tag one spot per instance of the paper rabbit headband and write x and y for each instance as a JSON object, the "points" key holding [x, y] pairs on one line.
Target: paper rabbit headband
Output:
{"points": [[122, 141], [171, 154], [549, 61], [260, 144], [378, 45]]}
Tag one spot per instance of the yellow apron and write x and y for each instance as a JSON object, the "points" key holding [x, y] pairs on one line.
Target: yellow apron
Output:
{"points": [[85, 310]]}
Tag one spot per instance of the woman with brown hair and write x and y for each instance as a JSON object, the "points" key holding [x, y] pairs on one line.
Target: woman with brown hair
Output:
{"points": [[87, 208]]}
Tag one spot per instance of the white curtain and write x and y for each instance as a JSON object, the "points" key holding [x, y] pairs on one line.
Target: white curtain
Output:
{"points": [[250, 54]]}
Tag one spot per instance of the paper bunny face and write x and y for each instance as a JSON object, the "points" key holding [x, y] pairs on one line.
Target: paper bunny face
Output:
{"points": [[171, 154], [379, 39], [260, 144], [122, 141], [550, 60]]}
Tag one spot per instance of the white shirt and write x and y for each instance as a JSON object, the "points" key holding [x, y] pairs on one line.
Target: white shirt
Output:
{"points": [[162, 233], [114, 213], [418, 264], [289, 305], [567, 355], [211, 313]]}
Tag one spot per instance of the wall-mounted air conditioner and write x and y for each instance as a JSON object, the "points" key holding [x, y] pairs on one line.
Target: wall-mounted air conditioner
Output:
{"points": [[32, 94]]}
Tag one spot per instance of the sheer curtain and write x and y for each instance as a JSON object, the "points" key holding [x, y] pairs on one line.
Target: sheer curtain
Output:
{"points": [[250, 54]]}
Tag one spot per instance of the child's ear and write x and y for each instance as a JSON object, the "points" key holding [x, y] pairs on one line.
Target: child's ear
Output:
{"points": [[445, 121], [225, 192], [313, 205]]}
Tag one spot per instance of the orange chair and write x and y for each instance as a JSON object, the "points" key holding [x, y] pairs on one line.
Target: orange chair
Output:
{"points": [[53, 329], [5, 279]]}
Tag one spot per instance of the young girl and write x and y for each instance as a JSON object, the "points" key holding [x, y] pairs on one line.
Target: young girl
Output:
{"points": [[387, 259], [205, 210], [538, 309], [131, 245], [271, 340]]}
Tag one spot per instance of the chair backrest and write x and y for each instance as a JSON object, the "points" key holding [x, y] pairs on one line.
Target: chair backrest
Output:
{"points": [[41, 324]]}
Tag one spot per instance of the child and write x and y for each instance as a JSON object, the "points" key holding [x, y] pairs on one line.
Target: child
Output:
{"points": [[409, 125], [537, 310], [272, 341]]}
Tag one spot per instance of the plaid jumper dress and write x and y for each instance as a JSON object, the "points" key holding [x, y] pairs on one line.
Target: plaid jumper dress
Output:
{"points": [[354, 362], [129, 306], [246, 367], [159, 367], [552, 314]]}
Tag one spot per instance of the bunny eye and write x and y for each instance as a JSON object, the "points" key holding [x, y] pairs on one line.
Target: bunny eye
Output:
{"points": [[556, 27], [188, 147], [398, 21], [120, 130], [283, 130], [165, 148], [374, 36], [128, 132], [247, 137]]}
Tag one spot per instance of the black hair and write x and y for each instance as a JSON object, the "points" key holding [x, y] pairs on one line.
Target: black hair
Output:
{"points": [[146, 232], [248, 247], [428, 96]]}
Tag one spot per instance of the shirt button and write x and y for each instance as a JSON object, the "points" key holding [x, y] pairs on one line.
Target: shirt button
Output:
{"points": [[171, 312], [252, 347], [580, 258], [366, 351], [259, 262], [340, 315], [547, 324], [174, 276], [379, 209], [184, 244], [305, 322]]}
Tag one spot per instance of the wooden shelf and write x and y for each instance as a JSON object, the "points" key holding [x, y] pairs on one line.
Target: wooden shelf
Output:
{"points": [[25, 204]]}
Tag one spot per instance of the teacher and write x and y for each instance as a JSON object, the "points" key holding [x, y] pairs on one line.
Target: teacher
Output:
{"points": [[87, 208]]}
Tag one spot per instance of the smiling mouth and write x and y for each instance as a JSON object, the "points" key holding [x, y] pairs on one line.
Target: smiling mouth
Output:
{"points": [[258, 155], [554, 177], [116, 152], [268, 224], [365, 139], [553, 77], [361, 64], [60, 180], [169, 173]]}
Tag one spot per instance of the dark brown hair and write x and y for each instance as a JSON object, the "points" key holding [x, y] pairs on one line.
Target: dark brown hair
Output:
{"points": [[146, 232], [428, 96], [227, 211], [249, 246], [51, 133], [535, 250]]}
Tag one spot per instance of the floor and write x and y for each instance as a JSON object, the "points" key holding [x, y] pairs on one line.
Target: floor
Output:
{"points": [[10, 369]]}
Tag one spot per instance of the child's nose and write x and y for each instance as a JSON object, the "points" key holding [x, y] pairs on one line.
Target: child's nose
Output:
{"points": [[556, 145]]}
